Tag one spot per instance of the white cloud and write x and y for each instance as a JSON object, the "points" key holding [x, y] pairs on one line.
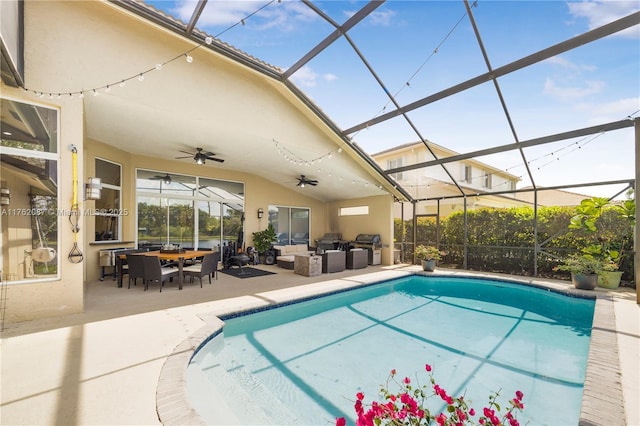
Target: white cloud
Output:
{"points": [[565, 63], [305, 76], [376, 18], [285, 16], [572, 93], [612, 111], [330, 77], [599, 13]]}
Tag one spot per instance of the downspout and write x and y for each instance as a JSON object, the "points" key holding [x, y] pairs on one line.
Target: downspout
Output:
{"points": [[466, 236], [415, 232], [535, 232], [636, 256]]}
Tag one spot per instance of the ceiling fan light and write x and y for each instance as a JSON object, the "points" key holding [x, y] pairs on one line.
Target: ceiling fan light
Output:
{"points": [[199, 160]]}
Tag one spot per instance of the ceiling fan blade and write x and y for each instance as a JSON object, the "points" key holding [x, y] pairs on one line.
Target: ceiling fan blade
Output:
{"points": [[186, 152], [219, 160], [313, 182], [188, 156]]}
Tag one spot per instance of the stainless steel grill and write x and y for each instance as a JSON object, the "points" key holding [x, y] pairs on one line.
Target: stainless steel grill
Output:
{"points": [[372, 243], [329, 241]]}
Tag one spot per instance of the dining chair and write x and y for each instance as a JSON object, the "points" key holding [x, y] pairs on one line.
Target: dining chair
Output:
{"points": [[155, 273], [208, 267], [136, 268]]}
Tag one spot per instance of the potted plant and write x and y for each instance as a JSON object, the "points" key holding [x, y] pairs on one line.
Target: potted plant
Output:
{"points": [[429, 255], [584, 269], [262, 241], [609, 252]]}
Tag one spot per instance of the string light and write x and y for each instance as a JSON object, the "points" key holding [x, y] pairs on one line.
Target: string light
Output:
{"points": [[418, 70], [558, 153], [290, 156], [141, 75]]}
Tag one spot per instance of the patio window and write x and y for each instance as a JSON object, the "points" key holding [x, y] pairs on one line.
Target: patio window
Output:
{"points": [[108, 208], [188, 211], [290, 223], [29, 216]]}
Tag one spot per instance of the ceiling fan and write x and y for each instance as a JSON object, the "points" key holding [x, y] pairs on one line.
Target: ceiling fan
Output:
{"points": [[166, 179], [200, 157], [302, 181]]}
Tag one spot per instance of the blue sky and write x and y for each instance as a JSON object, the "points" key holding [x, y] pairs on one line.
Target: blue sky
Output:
{"points": [[418, 48]]}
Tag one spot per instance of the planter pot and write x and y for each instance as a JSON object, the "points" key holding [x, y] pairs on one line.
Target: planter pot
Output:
{"points": [[428, 265], [609, 279], [584, 281]]}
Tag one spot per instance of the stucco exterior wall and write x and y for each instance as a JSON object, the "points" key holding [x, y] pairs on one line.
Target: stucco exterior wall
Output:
{"points": [[63, 296], [73, 45]]}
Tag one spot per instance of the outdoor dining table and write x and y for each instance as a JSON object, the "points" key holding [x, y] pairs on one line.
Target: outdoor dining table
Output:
{"points": [[172, 257]]}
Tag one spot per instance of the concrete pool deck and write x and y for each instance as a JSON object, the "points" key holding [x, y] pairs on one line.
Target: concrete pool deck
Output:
{"points": [[104, 366]]}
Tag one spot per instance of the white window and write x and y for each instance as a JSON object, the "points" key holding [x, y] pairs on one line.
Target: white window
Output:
{"points": [[487, 180], [393, 164], [108, 208], [467, 174], [354, 211], [30, 208]]}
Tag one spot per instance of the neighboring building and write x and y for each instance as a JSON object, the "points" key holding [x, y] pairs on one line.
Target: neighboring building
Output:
{"points": [[433, 183], [551, 197]]}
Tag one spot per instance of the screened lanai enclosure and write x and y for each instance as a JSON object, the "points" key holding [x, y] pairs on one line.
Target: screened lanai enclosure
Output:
{"points": [[463, 105]]}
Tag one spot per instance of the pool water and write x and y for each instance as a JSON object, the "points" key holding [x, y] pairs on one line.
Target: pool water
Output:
{"points": [[303, 363]]}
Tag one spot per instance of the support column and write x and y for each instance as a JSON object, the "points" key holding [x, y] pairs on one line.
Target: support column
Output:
{"points": [[636, 267]]}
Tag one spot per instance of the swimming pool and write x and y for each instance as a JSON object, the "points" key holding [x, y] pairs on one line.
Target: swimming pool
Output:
{"points": [[303, 363]]}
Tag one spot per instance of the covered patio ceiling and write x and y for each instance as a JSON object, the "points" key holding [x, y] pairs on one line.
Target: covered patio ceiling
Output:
{"points": [[173, 112]]}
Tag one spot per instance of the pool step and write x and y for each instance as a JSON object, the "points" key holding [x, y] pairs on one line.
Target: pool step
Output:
{"points": [[236, 397]]}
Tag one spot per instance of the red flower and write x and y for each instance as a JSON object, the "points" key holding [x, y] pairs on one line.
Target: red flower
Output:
{"points": [[472, 412], [360, 396], [519, 395], [407, 380], [393, 372], [427, 367], [340, 421]]}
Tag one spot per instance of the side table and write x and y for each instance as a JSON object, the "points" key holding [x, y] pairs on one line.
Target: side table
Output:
{"points": [[309, 266]]}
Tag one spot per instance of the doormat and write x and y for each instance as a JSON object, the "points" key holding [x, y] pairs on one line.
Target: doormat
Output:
{"points": [[245, 272]]}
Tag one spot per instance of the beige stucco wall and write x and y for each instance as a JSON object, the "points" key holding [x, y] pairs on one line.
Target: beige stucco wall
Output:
{"points": [[67, 60], [259, 193], [378, 221], [63, 296]]}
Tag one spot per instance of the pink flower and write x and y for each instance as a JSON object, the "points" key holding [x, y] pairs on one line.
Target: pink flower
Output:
{"points": [[393, 372], [360, 396], [519, 395], [472, 412], [441, 419], [427, 367], [407, 380], [340, 421]]}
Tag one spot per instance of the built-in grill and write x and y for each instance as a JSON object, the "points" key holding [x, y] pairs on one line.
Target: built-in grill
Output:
{"points": [[372, 243], [329, 241]]}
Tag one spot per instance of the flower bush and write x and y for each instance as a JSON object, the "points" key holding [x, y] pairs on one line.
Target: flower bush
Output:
{"points": [[407, 406]]}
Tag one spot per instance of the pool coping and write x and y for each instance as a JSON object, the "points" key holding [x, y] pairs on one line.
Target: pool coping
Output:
{"points": [[602, 399]]}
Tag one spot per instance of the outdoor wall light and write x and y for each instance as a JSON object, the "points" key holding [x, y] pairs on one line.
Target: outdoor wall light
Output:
{"points": [[5, 196], [260, 213], [93, 189]]}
